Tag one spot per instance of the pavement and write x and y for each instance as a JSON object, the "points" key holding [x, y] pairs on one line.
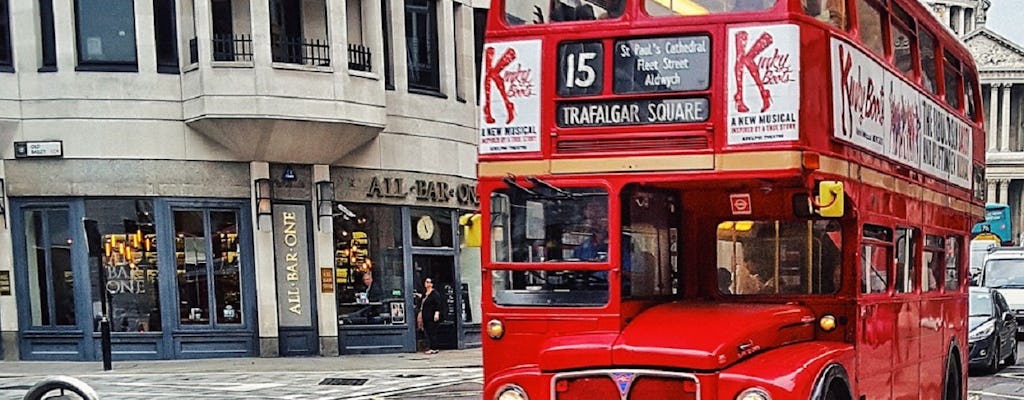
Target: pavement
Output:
{"points": [[453, 374]]}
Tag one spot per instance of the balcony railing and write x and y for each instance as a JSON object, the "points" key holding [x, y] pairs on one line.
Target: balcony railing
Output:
{"points": [[359, 58], [228, 47], [294, 50], [193, 51]]}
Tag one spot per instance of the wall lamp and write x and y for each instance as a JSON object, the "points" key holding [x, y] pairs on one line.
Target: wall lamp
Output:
{"points": [[324, 200], [264, 195], [3, 197]]}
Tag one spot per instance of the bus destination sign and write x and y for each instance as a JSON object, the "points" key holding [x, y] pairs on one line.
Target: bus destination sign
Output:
{"points": [[658, 65], [631, 112]]}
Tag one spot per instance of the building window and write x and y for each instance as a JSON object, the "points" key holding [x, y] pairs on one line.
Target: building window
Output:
{"points": [[106, 35], [389, 68], [479, 29], [48, 46], [6, 62], [51, 288], [231, 41], [368, 248], [166, 35], [460, 90], [208, 278], [129, 259], [422, 46], [298, 32], [359, 56]]}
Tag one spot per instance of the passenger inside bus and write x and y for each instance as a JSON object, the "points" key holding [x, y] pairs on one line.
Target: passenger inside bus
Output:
{"points": [[832, 12], [662, 8], [762, 257], [523, 12]]}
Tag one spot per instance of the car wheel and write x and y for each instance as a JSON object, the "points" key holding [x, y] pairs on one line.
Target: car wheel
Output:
{"points": [[1012, 359], [994, 359]]}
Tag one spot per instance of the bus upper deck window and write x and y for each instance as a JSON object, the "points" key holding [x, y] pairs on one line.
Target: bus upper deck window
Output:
{"points": [[832, 12], [533, 12], [665, 8]]}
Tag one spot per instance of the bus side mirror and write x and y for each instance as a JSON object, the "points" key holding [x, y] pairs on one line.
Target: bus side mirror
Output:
{"points": [[831, 199], [471, 229]]}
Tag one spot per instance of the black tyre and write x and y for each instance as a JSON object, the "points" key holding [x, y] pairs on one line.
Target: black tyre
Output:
{"points": [[952, 385], [1012, 359], [995, 358], [833, 384]]}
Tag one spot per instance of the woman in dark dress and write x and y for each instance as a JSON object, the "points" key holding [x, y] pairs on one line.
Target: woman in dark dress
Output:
{"points": [[430, 314]]}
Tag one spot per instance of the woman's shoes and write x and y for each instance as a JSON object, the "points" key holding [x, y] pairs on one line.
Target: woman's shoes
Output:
{"points": [[431, 352]]}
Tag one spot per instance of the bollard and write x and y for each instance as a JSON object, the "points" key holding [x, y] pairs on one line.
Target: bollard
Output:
{"points": [[63, 384]]}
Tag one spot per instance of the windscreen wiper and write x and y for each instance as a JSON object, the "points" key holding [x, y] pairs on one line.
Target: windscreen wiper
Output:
{"points": [[537, 181], [510, 180]]}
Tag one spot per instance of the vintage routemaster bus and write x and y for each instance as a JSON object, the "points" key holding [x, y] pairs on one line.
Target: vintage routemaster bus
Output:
{"points": [[726, 199]]}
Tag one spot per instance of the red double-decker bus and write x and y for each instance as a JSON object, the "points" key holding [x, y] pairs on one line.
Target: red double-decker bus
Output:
{"points": [[726, 199]]}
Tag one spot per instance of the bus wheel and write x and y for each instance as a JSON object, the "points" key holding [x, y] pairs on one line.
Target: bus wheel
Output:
{"points": [[952, 389], [833, 385]]}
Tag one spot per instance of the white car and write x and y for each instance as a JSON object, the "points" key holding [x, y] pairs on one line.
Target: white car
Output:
{"points": [[1004, 271]]}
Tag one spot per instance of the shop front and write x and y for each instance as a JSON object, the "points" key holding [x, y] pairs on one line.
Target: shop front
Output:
{"points": [[177, 276], [393, 231]]}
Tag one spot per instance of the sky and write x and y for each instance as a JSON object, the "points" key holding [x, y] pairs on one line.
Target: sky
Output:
{"points": [[1005, 17]]}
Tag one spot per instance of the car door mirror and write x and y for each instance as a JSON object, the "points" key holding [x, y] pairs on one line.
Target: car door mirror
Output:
{"points": [[1008, 316]]}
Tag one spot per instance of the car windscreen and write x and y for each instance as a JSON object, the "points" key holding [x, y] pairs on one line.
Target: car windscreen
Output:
{"points": [[1004, 273], [981, 304]]}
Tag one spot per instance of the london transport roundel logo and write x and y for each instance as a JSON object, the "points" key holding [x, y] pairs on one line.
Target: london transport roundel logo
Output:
{"points": [[740, 203]]}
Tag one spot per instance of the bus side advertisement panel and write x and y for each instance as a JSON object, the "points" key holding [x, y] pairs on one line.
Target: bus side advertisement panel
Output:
{"points": [[763, 84], [510, 93], [875, 109]]}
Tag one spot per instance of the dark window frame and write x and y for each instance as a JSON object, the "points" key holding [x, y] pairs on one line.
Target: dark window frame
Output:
{"points": [[6, 42], [424, 78], [165, 36], [389, 67], [47, 36], [104, 66]]}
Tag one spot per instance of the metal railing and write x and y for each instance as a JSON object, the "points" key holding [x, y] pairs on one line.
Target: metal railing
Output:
{"points": [[229, 47], [296, 50], [359, 58]]}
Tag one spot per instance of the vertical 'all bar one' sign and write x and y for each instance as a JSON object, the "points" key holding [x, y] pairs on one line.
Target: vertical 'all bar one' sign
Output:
{"points": [[291, 259]]}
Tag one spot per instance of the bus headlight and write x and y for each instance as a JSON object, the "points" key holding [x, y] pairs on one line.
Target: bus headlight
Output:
{"points": [[512, 392], [495, 329], [754, 394]]}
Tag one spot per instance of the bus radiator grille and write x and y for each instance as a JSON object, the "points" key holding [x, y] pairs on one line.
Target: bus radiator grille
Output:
{"points": [[600, 387]]}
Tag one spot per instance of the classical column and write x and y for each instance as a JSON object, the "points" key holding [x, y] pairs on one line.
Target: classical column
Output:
{"points": [[992, 185], [993, 114], [1004, 191], [963, 21], [1004, 128]]}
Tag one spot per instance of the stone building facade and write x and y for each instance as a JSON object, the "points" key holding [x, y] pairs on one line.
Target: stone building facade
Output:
{"points": [[1001, 73], [215, 177]]}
